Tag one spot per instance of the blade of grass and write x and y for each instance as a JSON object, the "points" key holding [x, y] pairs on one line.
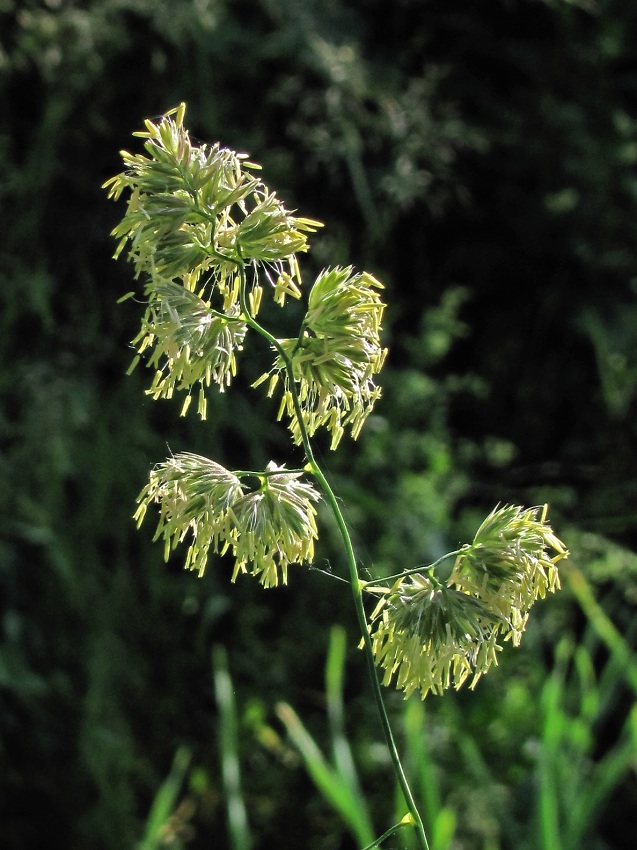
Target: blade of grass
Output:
{"points": [[552, 739], [588, 802], [572, 754], [331, 784], [441, 820], [602, 624], [238, 828], [165, 800], [443, 829], [414, 722], [343, 759]]}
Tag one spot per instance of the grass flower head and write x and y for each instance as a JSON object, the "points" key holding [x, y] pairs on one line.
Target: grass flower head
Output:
{"points": [[511, 562], [200, 209], [336, 357], [428, 636], [266, 529]]}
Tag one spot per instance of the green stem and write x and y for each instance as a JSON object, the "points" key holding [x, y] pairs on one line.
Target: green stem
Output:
{"points": [[422, 567], [386, 835], [369, 652], [262, 473], [356, 583]]}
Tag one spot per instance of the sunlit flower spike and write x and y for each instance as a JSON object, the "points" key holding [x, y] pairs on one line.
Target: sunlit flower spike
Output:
{"points": [[336, 356], [428, 636], [197, 217], [266, 529], [511, 563], [196, 209]]}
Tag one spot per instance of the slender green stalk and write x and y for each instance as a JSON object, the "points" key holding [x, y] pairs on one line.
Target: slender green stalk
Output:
{"points": [[369, 654], [386, 835], [355, 581], [416, 570]]}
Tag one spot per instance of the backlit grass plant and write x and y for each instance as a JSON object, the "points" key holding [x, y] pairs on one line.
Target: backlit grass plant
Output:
{"points": [[209, 241]]}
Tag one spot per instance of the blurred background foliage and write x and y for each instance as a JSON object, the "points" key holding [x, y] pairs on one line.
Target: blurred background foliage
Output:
{"points": [[479, 158]]}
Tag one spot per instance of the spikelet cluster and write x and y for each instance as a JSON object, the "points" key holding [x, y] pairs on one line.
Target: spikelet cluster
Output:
{"points": [[196, 217], [429, 636], [266, 529], [336, 357]]}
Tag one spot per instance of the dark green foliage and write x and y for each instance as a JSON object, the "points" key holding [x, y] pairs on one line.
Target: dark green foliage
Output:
{"points": [[480, 158]]}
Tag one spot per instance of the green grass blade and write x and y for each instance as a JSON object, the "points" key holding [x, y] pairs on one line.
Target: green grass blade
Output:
{"points": [[602, 624], [343, 759], [165, 801], [444, 829], [333, 787], [604, 778], [441, 821], [418, 758], [552, 739], [238, 828]]}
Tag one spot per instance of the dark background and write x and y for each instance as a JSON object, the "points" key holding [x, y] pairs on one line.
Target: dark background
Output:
{"points": [[477, 156]]}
